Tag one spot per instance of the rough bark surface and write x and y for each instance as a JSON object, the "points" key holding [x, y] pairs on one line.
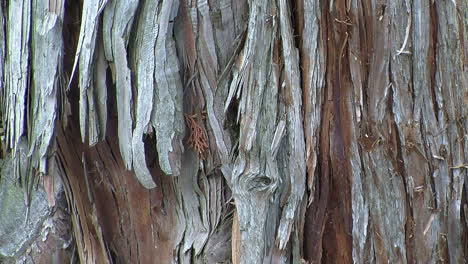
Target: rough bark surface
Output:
{"points": [[251, 131]]}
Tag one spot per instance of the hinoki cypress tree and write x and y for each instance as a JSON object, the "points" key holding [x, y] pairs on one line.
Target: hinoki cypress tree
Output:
{"points": [[251, 131]]}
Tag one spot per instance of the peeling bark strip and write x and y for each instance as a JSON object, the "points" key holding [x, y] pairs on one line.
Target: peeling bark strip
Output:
{"points": [[32, 77], [255, 175], [203, 216], [337, 129], [267, 97], [46, 78], [157, 75], [16, 75], [118, 19], [167, 116], [92, 76], [2, 70], [147, 32], [296, 163]]}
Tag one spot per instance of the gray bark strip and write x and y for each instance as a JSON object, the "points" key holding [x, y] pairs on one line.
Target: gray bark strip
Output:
{"points": [[16, 75], [215, 87], [451, 90], [296, 146], [198, 208], [360, 206], [406, 107], [255, 175], [411, 105], [144, 65], [411, 86], [313, 58], [202, 209], [167, 116], [90, 124], [210, 27], [100, 92], [32, 69], [427, 111], [47, 56], [384, 186], [117, 26], [194, 224], [2, 69]]}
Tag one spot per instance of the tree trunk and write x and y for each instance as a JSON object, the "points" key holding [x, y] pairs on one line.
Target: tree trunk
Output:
{"points": [[251, 131]]}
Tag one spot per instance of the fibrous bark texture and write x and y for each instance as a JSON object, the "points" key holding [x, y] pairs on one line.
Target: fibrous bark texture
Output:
{"points": [[250, 131]]}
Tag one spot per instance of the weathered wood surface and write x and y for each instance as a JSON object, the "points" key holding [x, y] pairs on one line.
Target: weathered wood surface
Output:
{"points": [[92, 76], [16, 70], [336, 129]]}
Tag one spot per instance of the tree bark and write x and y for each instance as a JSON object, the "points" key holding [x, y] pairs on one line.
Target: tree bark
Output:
{"points": [[251, 131]]}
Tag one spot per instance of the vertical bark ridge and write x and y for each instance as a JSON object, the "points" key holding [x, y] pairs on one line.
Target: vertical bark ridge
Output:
{"points": [[143, 61], [381, 182], [255, 175], [450, 90], [16, 71], [118, 20], [31, 81], [358, 64], [312, 57], [203, 54], [293, 103], [167, 116], [85, 59], [46, 80], [410, 60], [2, 83]]}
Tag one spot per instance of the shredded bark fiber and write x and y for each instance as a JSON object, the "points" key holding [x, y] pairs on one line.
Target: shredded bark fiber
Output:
{"points": [[197, 136]]}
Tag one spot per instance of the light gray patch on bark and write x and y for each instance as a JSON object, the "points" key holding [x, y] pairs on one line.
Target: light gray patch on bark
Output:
{"points": [[144, 65], [313, 63], [16, 67], [117, 26], [407, 119], [167, 116], [16, 235], [206, 33], [218, 245], [385, 194], [46, 70], [192, 220], [212, 51], [360, 207], [91, 121], [451, 89], [296, 145], [100, 88], [2, 62], [418, 127], [255, 175], [224, 31], [386, 204]]}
